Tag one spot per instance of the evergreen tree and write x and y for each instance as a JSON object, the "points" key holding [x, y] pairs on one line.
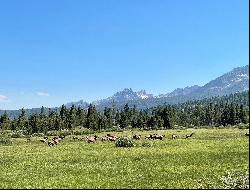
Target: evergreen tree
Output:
{"points": [[80, 117], [92, 118], [21, 120], [4, 121], [72, 119], [33, 124]]}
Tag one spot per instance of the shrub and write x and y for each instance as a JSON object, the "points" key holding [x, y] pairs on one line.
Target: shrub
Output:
{"points": [[146, 144], [124, 142], [37, 134], [5, 141]]}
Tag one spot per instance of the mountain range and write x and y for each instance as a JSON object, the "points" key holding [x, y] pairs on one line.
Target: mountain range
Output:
{"points": [[234, 81]]}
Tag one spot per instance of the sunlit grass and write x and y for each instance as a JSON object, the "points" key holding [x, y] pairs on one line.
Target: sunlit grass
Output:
{"points": [[168, 163]]}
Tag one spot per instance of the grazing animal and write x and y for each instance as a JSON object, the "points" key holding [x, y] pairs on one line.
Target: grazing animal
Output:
{"points": [[158, 137], [174, 136], [154, 136], [112, 138], [105, 138], [76, 138], [109, 135], [54, 138], [188, 136], [247, 134], [52, 143], [83, 138], [136, 137], [62, 137], [45, 137], [59, 139], [28, 139], [56, 141], [148, 137], [92, 139], [43, 140]]}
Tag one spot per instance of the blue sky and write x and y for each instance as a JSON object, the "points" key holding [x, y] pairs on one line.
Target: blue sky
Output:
{"points": [[54, 52]]}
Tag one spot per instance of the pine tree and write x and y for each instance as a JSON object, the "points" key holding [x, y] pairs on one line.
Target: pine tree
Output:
{"points": [[21, 120], [243, 115], [63, 117], [72, 120], [4, 121], [80, 117], [33, 124], [166, 119], [107, 117], [92, 118], [42, 122]]}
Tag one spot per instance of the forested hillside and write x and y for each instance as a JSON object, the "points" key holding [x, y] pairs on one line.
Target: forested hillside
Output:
{"points": [[226, 110]]}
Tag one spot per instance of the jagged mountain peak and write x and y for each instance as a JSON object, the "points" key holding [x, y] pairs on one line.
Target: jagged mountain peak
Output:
{"points": [[129, 94], [234, 81]]}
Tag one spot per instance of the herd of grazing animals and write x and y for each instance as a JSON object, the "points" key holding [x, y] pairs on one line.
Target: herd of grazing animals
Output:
{"points": [[108, 137]]}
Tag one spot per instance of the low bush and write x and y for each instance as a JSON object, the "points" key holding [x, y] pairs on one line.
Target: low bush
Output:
{"points": [[124, 142], [37, 134], [5, 141], [146, 144]]}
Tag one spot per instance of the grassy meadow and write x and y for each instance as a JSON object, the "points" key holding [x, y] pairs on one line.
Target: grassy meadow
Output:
{"points": [[170, 163]]}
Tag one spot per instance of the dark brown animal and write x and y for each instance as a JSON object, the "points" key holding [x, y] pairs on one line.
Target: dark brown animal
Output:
{"points": [[188, 136], [247, 134]]}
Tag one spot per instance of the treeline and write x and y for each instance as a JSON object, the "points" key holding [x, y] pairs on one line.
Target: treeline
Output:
{"points": [[226, 110]]}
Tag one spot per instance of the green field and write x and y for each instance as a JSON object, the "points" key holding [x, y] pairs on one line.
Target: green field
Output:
{"points": [[170, 163]]}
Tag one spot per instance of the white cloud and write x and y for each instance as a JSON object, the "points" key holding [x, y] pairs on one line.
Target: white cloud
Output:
{"points": [[43, 94], [3, 98]]}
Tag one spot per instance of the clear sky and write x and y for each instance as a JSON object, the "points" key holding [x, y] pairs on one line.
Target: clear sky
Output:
{"points": [[57, 51]]}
